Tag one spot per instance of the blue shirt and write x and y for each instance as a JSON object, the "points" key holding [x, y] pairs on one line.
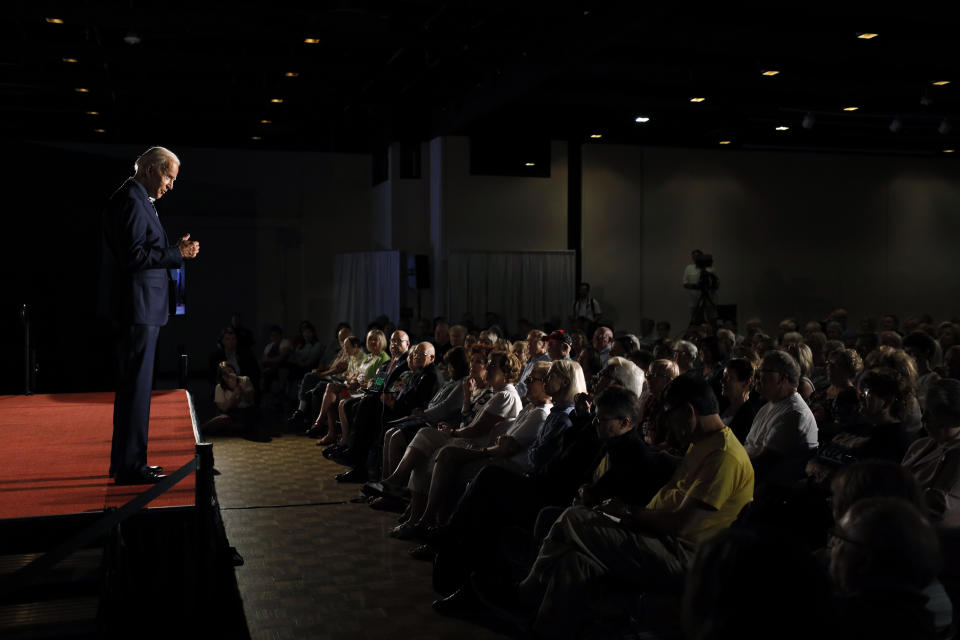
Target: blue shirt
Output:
{"points": [[521, 387], [547, 443]]}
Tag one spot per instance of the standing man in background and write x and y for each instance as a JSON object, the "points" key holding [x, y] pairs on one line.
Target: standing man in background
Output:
{"points": [[135, 295]]}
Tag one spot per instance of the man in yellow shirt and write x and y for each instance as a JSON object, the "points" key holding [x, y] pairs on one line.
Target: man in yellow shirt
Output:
{"points": [[649, 547]]}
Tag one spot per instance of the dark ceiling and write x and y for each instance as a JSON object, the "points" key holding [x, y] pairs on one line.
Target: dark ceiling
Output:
{"points": [[202, 75]]}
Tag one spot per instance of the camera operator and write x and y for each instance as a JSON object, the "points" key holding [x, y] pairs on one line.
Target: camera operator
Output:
{"points": [[701, 282]]}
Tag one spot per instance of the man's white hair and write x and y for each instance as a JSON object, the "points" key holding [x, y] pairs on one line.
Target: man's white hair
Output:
{"points": [[625, 372], [159, 157]]}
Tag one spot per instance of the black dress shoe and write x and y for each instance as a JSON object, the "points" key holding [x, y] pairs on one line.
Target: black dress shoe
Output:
{"points": [[315, 432], [353, 476], [144, 476], [154, 468], [332, 450]]}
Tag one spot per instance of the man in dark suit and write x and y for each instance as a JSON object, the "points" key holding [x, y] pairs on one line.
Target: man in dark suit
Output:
{"points": [[135, 290]]}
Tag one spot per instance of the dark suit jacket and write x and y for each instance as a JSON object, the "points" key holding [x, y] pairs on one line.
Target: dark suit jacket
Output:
{"points": [[136, 256], [417, 390]]}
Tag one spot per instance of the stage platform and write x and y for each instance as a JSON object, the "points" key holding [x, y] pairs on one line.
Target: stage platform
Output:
{"points": [[55, 453]]}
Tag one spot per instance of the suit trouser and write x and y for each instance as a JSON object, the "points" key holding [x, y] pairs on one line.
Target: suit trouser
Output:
{"points": [[131, 407], [584, 546]]}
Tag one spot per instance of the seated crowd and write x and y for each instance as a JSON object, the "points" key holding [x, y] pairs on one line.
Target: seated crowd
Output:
{"points": [[598, 483]]}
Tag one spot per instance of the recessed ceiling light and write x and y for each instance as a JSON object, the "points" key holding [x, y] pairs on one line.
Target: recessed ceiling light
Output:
{"points": [[940, 83], [291, 74], [948, 150], [82, 90], [850, 108], [641, 119], [276, 100], [783, 128], [93, 113], [311, 40], [69, 60], [867, 35], [724, 142], [529, 164], [255, 137], [99, 130], [596, 136], [265, 121], [697, 99], [770, 72], [54, 20]]}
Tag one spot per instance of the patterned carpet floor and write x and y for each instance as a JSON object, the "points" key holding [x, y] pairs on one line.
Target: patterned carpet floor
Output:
{"points": [[317, 565]]}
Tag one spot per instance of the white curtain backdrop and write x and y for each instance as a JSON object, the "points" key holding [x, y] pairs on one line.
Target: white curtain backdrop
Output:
{"points": [[366, 285], [536, 285]]}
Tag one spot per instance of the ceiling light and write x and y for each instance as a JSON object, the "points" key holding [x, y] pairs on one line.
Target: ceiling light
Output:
{"points": [[529, 164], [131, 38], [850, 108], [770, 72], [82, 90], [697, 99], [940, 83], [291, 74], [724, 142], [54, 20], [641, 119], [99, 130], [896, 125], [265, 122], [783, 128], [867, 35], [93, 113], [69, 60], [948, 150], [311, 41], [255, 137], [276, 100], [596, 136], [808, 121]]}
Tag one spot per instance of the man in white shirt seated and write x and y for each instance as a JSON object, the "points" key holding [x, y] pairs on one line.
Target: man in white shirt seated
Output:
{"points": [[784, 432]]}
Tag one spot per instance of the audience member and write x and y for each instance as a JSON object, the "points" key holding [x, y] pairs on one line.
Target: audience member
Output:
{"points": [[240, 358], [685, 355], [313, 380], [884, 553], [416, 466], [585, 306], [742, 402], [652, 426], [536, 352], [235, 398], [934, 460], [360, 378], [558, 345], [784, 433], [804, 357], [879, 435], [838, 403], [922, 348], [602, 338], [648, 548]]}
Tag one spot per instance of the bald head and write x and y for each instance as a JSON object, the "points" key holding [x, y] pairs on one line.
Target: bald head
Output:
{"points": [[422, 356], [602, 338], [399, 343]]}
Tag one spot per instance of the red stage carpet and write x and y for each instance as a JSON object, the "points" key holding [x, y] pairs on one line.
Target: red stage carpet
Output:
{"points": [[55, 453]]}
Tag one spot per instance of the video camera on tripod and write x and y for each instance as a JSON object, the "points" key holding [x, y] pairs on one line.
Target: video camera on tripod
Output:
{"points": [[708, 280]]}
